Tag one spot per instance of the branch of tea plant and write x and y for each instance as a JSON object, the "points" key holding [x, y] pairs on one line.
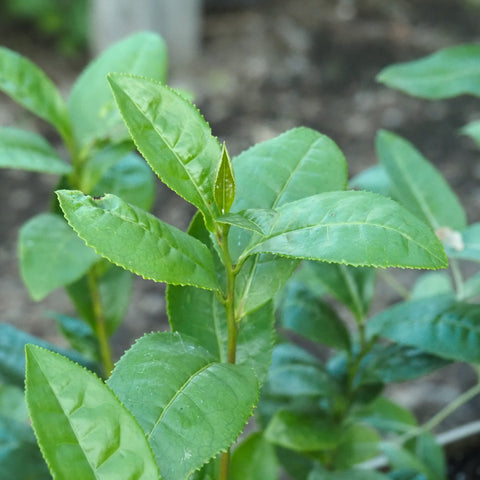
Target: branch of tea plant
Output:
{"points": [[100, 330], [394, 284]]}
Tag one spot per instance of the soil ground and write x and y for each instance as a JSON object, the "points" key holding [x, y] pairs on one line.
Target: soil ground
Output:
{"points": [[264, 69]]}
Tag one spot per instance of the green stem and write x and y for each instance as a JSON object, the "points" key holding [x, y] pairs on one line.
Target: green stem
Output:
{"points": [[457, 277], [100, 329], [394, 284]]}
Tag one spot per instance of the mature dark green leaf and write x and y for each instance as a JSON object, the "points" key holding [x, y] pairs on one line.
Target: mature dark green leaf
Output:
{"points": [[432, 284], [114, 290], [439, 325], [51, 255], [173, 137], [373, 179], [224, 192], [306, 314], [12, 353], [358, 443], [418, 185], [464, 245], [28, 151], [190, 406], [350, 474], [91, 104], [353, 286], [141, 243], [447, 73], [303, 433], [356, 228], [86, 426], [131, 179], [20, 457], [28, 85], [254, 459], [200, 315], [472, 129]]}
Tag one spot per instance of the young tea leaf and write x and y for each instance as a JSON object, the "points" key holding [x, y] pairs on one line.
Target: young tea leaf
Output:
{"points": [[137, 241], [224, 183], [83, 430], [473, 131], [447, 73], [190, 406], [28, 151]]}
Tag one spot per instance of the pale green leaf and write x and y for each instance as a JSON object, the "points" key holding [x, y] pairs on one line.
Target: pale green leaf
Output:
{"points": [[28, 85], [51, 255], [432, 284], [224, 192], [437, 325], [464, 245], [28, 151], [472, 129], [373, 179], [254, 459], [190, 406], [91, 104], [446, 73], [79, 422], [351, 474], [471, 287], [417, 184], [173, 137], [252, 219], [209, 327], [138, 241], [356, 228], [427, 449], [12, 403]]}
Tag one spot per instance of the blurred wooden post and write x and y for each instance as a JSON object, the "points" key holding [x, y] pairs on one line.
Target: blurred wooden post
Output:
{"points": [[178, 21]]}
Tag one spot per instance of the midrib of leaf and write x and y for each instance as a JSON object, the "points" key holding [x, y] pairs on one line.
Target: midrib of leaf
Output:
{"points": [[423, 204], [93, 470], [343, 224], [192, 180], [177, 394]]}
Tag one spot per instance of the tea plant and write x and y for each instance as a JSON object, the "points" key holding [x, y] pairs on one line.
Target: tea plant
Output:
{"points": [[51, 256], [184, 396], [326, 417]]}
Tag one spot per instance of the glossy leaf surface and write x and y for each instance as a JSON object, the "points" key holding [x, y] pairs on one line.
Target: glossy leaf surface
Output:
{"points": [[437, 325], [447, 73], [356, 228], [199, 314], [254, 459], [86, 426], [173, 137], [51, 255], [28, 151], [417, 184], [91, 104], [29, 86], [184, 400], [141, 243]]}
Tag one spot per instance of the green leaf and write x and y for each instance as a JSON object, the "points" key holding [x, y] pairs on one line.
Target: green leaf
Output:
{"points": [[252, 219], [432, 284], [373, 179], [417, 184], [302, 433], [28, 151], [28, 85], [353, 286], [254, 459], [351, 474], [142, 243], [173, 137], [466, 246], [79, 422], [12, 403], [91, 104], [12, 353], [426, 449], [306, 314], [446, 73], [472, 129], [200, 315], [356, 228], [130, 179], [51, 255], [20, 457], [190, 406], [224, 183], [357, 444], [471, 288], [441, 326], [114, 290]]}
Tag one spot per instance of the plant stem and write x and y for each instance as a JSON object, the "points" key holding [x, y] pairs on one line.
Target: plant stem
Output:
{"points": [[457, 277], [100, 330], [395, 284]]}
